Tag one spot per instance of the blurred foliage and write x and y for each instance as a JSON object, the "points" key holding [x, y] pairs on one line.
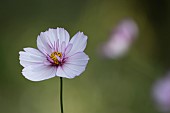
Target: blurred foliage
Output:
{"points": [[107, 86]]}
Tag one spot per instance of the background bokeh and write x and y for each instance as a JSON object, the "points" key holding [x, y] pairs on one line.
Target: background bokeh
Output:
{"points": [[107, 86]]}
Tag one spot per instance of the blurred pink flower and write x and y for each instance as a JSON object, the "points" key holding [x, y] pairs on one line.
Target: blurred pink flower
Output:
{"points": [[120, 39], [161, 94], [55, 56]]}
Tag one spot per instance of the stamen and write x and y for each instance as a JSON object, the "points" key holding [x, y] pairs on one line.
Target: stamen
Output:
{"points": [[59, 54], [54, 55]]}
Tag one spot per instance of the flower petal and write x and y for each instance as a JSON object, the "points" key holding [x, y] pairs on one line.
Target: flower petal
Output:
{"points": [[64, 72], [60, 72], [39, 72], [78, 56], [63, 47], [31, 56], [69, 73], [63, 36], [43, 44], [68, 49], [51, 40], [79, 42], [75, 64], [33, 51]]}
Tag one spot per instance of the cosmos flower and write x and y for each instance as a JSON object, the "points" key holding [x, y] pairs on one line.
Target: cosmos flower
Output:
{"points": [[161, 94], [120, 39], [56, 55]]}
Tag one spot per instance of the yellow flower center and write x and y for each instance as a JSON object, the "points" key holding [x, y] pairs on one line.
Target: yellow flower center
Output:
{"points": [[54, 55]]}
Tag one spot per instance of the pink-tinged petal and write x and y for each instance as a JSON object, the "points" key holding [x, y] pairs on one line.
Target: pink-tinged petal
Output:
{"points": [[75, 64], [43, 44], [70, 73], [56, 45], [52, 35], [26, 63], [79, 42], [68, 49], [63, 47], [78, 62], [63, 36], [33, 51], [51, 40], [25, 56], [75, 70], [39, 72], [80, 59], [31, 56], [78, 56], [65, 72], [54, 38], [61, 73]]}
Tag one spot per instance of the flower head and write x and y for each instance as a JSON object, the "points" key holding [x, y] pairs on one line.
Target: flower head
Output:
{"points": [[56, 55], [161, 94], [120, 40]]}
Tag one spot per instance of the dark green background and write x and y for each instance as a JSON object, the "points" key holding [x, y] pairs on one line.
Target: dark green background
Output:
{"points": [[107, 86]]}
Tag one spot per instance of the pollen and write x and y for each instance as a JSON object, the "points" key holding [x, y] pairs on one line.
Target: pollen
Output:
{"points": [[59, 54], [54, 56]]}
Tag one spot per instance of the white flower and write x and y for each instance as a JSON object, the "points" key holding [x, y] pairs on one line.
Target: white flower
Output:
{"points": [[56, 55]]}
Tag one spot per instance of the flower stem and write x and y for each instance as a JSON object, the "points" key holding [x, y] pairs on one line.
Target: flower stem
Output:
{"points": [[61, 94]]}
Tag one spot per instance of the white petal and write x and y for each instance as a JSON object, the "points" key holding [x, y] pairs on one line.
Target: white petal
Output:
{"points": [[31, 56], [80, 59], [52, 35], [63, 36], [43, 44], [72, 70], [33, 51], [70, 73], [39, 72], [78, 56], [79, 42], [78, 62], [63, 47], [68, 49], [26, 63], [75, 64], [60, 72], [51, 40]]}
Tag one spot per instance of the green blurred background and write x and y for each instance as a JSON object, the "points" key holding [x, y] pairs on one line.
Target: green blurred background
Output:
{"points": [[107, 86]]}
